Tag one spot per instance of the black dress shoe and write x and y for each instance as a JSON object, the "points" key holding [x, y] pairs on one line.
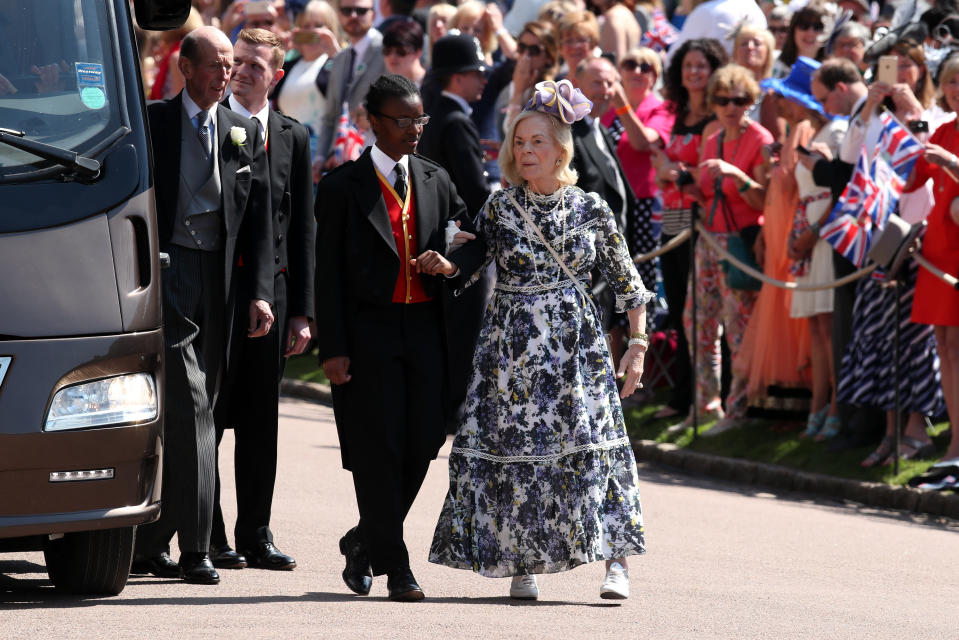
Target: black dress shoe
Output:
{"points": [[265, 555], [226, 558], [357, 574], [402, 586], [196, 567], [162, 565]]}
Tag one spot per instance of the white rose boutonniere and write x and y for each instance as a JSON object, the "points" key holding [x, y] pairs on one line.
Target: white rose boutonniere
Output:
{"points": [[238, 136]]}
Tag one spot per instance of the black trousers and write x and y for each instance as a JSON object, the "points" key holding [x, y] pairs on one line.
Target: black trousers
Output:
{"points": [[249, 403], [675, 269], [394, 412], [194, 324]]}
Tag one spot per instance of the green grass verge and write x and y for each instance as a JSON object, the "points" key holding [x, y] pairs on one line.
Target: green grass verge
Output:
{"points": [[777, 443], [305, 367]]}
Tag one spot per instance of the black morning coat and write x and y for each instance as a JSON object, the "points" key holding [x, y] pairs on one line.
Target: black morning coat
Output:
{"points": [[245, 195], [357, 261]]}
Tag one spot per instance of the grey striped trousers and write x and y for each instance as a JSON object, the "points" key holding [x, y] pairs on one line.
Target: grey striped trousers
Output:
{"points": [[194, 324]]}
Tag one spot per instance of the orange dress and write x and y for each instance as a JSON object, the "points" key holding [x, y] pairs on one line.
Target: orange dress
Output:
{"points": [[776, 348]]}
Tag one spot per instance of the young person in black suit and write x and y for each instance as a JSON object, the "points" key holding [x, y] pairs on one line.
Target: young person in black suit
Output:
{"points": [[212, 205], [249, 399], [379, 269]]}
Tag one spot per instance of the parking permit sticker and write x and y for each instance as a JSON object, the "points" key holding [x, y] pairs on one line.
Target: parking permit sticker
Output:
{"points": [[90, 84]]}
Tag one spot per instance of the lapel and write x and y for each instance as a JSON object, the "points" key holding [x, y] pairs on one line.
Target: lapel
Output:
{"points": [[424, 191], [227, 156], [369, 196], [598, 157], [279, 155], [166, 146]]}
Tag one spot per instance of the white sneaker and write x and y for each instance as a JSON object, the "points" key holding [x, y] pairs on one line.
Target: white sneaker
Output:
{"points": [[724, 425], [524, 588], [616, 584]]}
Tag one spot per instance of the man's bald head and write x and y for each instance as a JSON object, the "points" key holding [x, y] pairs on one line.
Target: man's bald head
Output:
{"points": [[206, 59], [596, 77]]}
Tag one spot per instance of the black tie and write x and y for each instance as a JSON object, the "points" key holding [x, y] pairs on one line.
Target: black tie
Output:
{"points": [[400, 184], [348, 80]]}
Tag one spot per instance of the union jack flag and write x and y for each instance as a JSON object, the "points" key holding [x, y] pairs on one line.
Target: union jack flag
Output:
{"points": [[873, 193], [661, 33], [897, 146], [849, 227], [349, 142]]}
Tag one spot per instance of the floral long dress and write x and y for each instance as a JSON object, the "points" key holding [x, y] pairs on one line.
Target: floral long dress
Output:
{"points": [[542, 475]]}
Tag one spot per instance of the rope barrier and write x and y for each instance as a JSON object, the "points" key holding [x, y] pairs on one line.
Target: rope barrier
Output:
{"points": [[759, 275], [936, 271], [666, 248]]}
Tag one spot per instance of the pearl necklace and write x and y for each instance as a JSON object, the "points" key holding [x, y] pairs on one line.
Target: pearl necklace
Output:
{"points": [[560, 205]]}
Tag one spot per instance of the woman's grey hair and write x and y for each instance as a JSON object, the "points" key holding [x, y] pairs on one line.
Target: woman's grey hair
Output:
{"points": [[562, 136], [854, 30]]}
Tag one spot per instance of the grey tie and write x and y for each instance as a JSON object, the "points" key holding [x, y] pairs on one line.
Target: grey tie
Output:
{"points": [[400, 184], [348, 80], [203, 130]]}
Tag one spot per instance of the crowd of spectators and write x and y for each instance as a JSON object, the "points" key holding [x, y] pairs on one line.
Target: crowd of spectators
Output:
{"points": [[750, 115]]}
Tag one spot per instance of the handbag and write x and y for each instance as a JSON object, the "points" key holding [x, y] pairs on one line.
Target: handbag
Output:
{"points": [[739, 242]]}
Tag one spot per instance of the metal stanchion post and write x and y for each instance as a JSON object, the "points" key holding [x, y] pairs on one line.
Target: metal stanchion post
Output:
{"points": [[898, 418], [695, 333]]}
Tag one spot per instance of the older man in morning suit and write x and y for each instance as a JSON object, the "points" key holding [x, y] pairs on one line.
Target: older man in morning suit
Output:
{"points": [[249, 401], [380, 266], [352, 72], [213, 204]]}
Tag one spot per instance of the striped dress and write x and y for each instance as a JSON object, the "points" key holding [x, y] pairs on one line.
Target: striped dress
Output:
{"points": [[868, 376]]}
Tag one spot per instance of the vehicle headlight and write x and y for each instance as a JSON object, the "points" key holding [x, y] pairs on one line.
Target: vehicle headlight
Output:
{"points": [[119, 400]]}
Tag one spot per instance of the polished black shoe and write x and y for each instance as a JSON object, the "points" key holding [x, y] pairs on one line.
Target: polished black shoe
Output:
{"points": [[226, 558], [265, 555], [196, 567], [162, 565], [357, 574], [402, 586]]}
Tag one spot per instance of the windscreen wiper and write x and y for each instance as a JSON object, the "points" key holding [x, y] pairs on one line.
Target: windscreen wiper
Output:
{"points": [[84, 166]]}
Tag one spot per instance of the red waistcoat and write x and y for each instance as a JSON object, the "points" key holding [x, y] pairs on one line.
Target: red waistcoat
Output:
{"points": [[409, 286]]}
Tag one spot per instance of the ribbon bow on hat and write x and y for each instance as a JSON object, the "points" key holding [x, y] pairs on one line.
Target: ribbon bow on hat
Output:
{"points": [[559, 99]]}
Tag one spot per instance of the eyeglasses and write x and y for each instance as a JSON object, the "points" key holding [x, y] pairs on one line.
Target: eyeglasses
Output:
{"points": [[806, 26], [359, 12], [532, 49], [572, 42], [405, 123], [632, 65], [739, 101], [399, 50]]}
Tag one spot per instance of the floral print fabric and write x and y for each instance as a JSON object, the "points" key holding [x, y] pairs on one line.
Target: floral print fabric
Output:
{"points": [[542, 474]]}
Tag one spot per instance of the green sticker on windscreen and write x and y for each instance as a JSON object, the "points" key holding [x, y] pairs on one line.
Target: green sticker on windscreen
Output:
{"points": [[93, 97]]}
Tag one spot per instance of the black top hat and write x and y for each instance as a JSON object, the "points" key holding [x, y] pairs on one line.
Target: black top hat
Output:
{"points": [[457, 54]]}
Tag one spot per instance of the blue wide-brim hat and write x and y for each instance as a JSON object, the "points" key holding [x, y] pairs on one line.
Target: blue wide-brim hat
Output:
{"points": [[797, 86]]}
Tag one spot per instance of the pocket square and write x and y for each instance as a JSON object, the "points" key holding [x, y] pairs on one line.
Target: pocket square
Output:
{"points": [[244, 169]]}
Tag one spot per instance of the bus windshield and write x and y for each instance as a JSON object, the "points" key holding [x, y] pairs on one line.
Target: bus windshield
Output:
{"points": [[58, 81]]}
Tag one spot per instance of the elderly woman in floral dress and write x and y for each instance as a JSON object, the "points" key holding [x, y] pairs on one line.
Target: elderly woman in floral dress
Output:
{"points": [[542, 476]]}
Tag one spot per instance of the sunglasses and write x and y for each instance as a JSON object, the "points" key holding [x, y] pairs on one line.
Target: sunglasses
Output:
{"points": [[739, 101], [532, 49], [405, 123], [401, 51], [806, 26], [782, 29], [359, 12], [632, 65]]}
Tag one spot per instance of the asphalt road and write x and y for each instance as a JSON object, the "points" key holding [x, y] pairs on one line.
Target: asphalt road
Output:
{"points": [[723, 562]]}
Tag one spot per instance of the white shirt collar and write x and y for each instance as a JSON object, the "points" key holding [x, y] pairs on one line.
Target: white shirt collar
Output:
{"points": [[260, 115], [192, 109], [464, 105], [385, 164]]}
